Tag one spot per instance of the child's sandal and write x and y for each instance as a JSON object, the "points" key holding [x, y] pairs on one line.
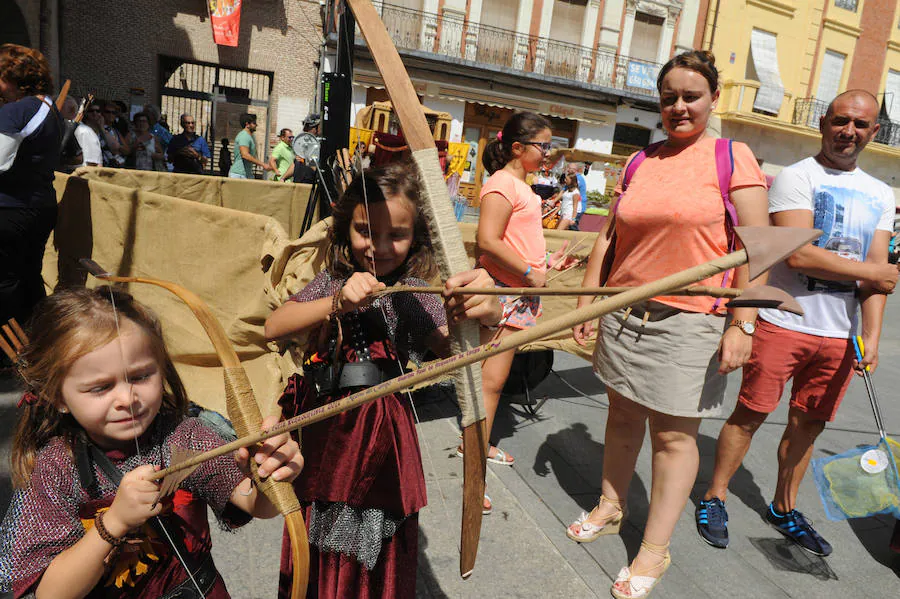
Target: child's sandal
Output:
{"points": [[631, 584], [584, 531]]}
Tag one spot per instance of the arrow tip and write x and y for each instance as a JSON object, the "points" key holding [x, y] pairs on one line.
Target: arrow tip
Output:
{"points": [[767, 246]]}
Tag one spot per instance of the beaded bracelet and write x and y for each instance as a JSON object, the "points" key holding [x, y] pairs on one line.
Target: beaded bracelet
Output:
{"points": [[105, 534], [336, 303]]}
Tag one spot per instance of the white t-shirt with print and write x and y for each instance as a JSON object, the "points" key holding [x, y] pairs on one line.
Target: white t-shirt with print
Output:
{"points": [[849, 206]]}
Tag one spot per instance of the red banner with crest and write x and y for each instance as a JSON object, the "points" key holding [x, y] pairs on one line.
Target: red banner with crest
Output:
{"points": [[225, 16]]}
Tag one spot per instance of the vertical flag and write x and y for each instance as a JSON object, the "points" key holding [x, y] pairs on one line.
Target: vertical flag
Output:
{"points": [[225, 16]]}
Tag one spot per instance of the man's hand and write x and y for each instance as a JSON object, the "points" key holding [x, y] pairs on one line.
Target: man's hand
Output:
{"points": [[486, 309], [884, 277], [870, 358]]}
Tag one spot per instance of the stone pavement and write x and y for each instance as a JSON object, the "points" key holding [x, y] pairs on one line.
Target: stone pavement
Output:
{"points": [[524, 551]]}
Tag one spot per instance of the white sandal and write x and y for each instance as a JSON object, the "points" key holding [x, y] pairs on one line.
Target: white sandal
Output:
{"points": [[639, 585], [589, 532]]}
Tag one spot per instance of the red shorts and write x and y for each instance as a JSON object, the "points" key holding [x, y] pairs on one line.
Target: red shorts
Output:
{"points": [[820, 366]]}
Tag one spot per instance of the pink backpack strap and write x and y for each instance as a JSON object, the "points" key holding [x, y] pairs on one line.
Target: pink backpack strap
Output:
{"points": [[724, 171], [633, 165]]}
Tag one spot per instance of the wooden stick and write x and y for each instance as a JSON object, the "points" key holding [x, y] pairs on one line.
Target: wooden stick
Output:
{"points": [[439, 368], [13, 338], [693, 290], [61, 98], [18, 330], [8, 350]]}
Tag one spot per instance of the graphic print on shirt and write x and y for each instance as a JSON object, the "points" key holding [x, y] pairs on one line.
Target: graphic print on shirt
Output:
{"points": [[847, 218]]}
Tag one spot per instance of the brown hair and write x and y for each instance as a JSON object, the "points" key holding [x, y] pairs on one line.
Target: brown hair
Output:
{"points": [[700, 61], [66, 326], [396, 179], [521, 126], [27, 68]]}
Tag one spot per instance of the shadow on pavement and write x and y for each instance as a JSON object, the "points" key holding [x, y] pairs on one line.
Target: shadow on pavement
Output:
{"points": [[785, 555], [427, 586], [567, 454], [743, 485], [874, 535]]}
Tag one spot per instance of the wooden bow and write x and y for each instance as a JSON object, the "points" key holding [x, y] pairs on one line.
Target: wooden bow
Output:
{"points": [[451, 258], [244, 413]]}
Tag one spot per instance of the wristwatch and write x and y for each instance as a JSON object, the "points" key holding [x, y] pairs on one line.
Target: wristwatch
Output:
{"points": [[747, 327]]}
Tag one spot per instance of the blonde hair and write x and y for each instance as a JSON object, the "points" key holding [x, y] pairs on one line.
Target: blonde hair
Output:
{"points": [[66, 326]]}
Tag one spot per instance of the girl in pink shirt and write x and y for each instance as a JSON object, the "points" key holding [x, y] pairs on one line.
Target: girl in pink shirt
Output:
{"points": [[510, 244]]}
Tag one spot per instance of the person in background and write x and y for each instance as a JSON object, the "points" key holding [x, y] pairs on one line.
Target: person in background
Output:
{"points": [[245, 150], [115, 148], [162, 133], [299, 170], [577, 169], [30, 131], [224, 158], [188, 152], [89, 145], [569, 198], [147, 150], [282, 155]]}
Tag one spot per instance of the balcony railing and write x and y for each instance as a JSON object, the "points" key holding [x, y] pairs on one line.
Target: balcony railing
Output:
{"points": [[457, 38], [808, 111]]}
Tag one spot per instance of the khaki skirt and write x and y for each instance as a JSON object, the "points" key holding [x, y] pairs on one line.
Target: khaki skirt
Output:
{"points": [[668, 362]]}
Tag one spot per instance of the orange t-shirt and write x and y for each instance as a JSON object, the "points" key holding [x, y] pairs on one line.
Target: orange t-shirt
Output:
{"points": [[672, 217], [524, 234]]}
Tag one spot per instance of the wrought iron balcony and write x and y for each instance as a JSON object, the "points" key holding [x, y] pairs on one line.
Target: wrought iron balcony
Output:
{"points": [[472, 43], [808, 111]]}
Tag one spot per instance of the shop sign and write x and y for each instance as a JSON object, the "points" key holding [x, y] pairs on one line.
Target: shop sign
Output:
{"points": [[641, 75]]}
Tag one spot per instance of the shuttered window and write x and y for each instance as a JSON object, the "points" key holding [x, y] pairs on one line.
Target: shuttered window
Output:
{"points": [[830, 75], [645, 37], [567, 21]]}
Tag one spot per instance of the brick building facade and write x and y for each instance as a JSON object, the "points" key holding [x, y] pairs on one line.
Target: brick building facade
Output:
{"points": [[163, 52]]}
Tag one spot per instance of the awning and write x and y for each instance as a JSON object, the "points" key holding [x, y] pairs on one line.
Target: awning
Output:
{"points": [[765, 60]]}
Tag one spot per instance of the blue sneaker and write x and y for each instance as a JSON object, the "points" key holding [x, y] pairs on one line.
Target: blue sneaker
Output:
{"points": [[712, 522], [797, 528]]}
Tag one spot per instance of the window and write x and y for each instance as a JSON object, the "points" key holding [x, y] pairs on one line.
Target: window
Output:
{"points": [[830, 75], [764, 57], [567, 20], [892, 95], [645, 37], [846, 4], [629, 138]]}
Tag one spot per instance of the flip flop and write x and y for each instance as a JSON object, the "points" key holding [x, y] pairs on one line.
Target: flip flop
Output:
{"points": [[486, 512], [501, 457]]}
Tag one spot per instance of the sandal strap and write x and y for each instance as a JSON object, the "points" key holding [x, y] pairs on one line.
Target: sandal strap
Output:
{"points": [[660, 550], [616, 503]]}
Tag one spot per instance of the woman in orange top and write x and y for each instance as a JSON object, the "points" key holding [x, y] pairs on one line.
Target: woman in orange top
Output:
{"points": [[663, 362]]}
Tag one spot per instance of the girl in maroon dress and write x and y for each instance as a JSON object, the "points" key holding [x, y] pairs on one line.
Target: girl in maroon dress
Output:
{"points": [[363, 484], [102, 410]]}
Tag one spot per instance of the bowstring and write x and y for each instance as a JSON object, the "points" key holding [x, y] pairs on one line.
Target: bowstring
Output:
{"points": [[137, 444], [380, 304]]}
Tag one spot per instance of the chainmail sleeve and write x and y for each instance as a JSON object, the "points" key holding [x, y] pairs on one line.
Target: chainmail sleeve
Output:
{"points": [[213, 481], [42, 519]]}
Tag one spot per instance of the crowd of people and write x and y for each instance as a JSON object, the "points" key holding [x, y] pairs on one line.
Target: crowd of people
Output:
{"points": [[103, 403]]}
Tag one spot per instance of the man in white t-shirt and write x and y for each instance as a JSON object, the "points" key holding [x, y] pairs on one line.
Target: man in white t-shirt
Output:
{"points": [[844, 268]]}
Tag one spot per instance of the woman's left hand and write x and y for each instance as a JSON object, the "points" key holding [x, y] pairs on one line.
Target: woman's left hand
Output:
{"points": [[734, 350], [278, 457]]}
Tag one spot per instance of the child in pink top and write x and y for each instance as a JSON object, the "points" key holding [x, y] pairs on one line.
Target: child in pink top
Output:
{"points": [[510, 244]]}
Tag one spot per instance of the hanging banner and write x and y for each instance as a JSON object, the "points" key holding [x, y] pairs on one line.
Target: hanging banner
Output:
{"points": [[225, 16]]}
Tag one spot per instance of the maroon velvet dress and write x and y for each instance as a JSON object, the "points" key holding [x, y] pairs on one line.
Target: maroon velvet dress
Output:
{"points": [[53, 512], [362, 484]]}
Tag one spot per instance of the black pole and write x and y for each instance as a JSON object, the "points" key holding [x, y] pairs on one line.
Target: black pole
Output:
{"points": [[337, 93]]}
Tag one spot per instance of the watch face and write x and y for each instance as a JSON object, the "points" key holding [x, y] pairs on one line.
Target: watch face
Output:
{"points": [[748, 327]]}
